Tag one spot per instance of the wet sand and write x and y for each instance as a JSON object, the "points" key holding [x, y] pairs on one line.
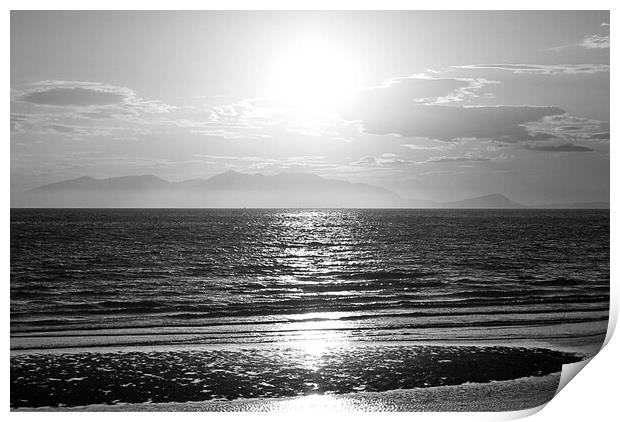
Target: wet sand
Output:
{"points": [[512, 395], [501, 389], [82, 379]]}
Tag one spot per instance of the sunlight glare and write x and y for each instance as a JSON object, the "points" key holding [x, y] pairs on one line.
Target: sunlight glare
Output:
{"points": [[313, 77], [318, 337]]}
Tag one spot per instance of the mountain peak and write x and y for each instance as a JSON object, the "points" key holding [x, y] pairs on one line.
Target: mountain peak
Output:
{"points": [[493, 196]]}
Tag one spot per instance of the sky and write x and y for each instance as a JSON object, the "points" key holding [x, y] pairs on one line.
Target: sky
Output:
{"points": [[432, 105]]}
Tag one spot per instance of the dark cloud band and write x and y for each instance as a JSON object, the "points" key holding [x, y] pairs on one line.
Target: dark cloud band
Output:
{"points": [[73, 96], [395, 109], [558, 148]]}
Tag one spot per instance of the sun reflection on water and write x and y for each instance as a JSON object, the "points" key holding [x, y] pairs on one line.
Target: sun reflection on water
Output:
{"points": [[312, 257], [318, 333]]}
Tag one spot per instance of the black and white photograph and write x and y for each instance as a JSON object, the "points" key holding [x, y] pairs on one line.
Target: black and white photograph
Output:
{"points": [[306, 210]]}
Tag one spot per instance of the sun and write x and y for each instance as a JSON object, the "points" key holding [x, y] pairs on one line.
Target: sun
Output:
{"points": [[313, 76]]}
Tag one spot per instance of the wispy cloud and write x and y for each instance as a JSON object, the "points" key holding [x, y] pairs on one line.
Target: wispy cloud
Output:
{"points": [[421, 147], [388, 160], [567, 69], [88, 96], [81, 109], [570, 128], [260, 163], [601, 136], [425, 89], [76, 130], [73, 96], [393, 160], [595, 41], [17, 122], [558, 148], [465, 158]]}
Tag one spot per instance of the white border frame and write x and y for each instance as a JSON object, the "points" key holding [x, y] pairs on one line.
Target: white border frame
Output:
{"points": [[592, 395]]}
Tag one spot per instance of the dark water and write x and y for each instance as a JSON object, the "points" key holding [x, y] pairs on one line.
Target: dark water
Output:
{"points": [[163, 278]]}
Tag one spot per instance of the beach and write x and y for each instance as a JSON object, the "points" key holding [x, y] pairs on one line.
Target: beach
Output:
{"points": [[264, 378], [496, 396]]}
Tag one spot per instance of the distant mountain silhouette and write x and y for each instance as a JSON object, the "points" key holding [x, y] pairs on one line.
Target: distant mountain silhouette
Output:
{"points": [[230, 189], [237, 190], [113, 183], [488, 201]]}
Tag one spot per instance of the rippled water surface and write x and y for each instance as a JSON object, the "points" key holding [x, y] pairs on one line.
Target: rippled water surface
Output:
{"points": [[123, 268]]}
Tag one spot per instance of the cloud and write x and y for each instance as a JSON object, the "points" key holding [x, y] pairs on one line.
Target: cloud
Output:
{"points": [[75, 108], [419, 88], [393, 160], [249, 113], [246, 119], [262, 118], [75, 96], [595, 41], [103, 100], [62, 128], [570, 128], [265, 117], [385, 160], [251, 118], [71, 94], [569, 69], [247, 163], [79, 104], [424, 147], [424, 89], [448, 123], [231, 157], [220, 133], [97, 115], [293, 163], [17, 121], [392, 109], [76, 130], [558, 148], [366, 161], [465, 158], [601, 135]]}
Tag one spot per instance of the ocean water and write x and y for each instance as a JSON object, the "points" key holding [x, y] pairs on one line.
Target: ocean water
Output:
{"points": [[297, 290]]}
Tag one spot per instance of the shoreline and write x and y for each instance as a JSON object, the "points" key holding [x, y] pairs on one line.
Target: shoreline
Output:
{"points": [[585, 346], [494, 396]]}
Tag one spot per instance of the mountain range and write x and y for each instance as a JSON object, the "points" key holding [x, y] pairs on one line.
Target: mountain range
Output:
{"points": [[235, 190]]}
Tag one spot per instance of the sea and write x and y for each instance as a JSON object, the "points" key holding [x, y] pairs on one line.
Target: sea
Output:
{"points": [[114, 306]]}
